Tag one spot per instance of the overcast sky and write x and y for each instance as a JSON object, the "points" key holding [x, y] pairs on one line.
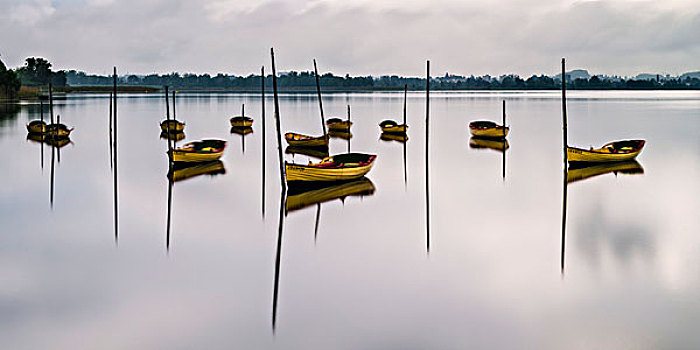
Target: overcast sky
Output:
{"points": [[359, 37]]}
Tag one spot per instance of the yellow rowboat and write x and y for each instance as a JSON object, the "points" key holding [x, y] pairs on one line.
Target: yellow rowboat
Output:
{"points": [[36, 127], [319, 153], [617, 151], [304, 195], [173, 136], [241, 130], [199, 151], [390, 126], [488, 129], [57, 131], [338, 124], [340, 167], [172, 125], [42, 138], [496, 145], [336, 134], [402, 138], [180, 173], [300, 140], [581, 173], [241, 121]]}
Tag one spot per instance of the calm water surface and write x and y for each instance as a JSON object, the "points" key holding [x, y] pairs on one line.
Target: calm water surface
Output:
{"points": [[369, 271]]}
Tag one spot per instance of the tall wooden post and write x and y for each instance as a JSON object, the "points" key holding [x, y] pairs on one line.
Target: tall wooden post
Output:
{"points": [[262, 104], [116, 192], [563, 106], [174, 117], [51, 101], [277, 121], [427, 167], [320, 102], [349, 134], [405, 95]]}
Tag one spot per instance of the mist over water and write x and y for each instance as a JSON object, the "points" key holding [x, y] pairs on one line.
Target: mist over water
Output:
{"points": [[354, 270]]}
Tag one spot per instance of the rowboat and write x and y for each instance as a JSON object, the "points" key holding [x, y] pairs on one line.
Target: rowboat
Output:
{"points": [[338, 124], [172, 136], [390, 126], [338, 134], [172, 125], [577, 173], [488, 129], [315, 152], [199, 151], [300, 140], [36, 127], [187, 171], [241, 121], [402, 138], [57, 131], [617, 151], [496, 145], [302, 195], [340, 167], [241, 130]]}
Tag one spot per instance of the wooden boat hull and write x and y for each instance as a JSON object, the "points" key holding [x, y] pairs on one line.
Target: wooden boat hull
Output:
{"points": [[209, 168], [581, 173], [340, 126], [497, 132], [394, 129], [604, 154], [496, 145], [241, 122], [300, 140], [36, 127], [194, 152], [313, 172], [303, 196], [175, 126], [57, 131]]}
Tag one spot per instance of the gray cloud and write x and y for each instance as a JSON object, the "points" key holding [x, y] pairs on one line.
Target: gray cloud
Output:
{"points": [[363, 37]]}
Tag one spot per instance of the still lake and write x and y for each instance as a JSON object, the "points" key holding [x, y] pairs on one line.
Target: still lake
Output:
{"points": [[367, 270]]}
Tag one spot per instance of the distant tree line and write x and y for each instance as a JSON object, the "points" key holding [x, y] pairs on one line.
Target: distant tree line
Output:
{"points": [[306, 81], [37, 71]]}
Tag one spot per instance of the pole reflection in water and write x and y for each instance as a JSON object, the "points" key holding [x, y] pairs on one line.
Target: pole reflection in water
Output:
{"points": [[278, 258], [262, 116], [53, 156], [170, 204], [576, 173]]}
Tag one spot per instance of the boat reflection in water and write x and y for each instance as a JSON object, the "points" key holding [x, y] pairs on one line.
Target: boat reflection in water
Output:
{"points": [[578, 173], [53, 142], [183, 171], [338, 134], [494, 144], [243, 131], [172, 136], [319, 153], [302, 195], [386, 136]]}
